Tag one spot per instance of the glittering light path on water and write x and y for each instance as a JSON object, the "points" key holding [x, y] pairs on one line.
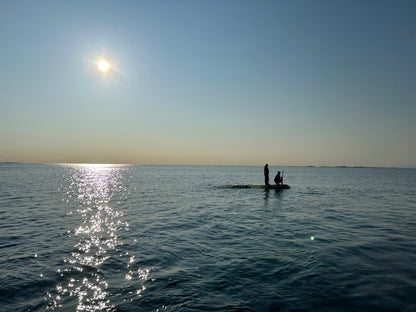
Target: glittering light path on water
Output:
{"points": [[83, 275]]}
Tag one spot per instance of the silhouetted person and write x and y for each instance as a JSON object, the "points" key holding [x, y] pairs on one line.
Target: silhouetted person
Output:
{"points": [[266, 174], [278, 179]]}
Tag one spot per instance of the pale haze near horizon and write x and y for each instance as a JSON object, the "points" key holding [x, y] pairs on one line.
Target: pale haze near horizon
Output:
{"points": [[209, 82]]}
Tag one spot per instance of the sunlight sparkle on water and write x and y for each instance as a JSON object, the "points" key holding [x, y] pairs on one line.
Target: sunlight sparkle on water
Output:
{"points": [[92, 186]]}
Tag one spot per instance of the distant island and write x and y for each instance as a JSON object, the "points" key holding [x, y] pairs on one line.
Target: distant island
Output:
{"points": [[311, 166]]}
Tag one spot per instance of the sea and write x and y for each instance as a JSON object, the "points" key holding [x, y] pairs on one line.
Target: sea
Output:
{"points": [[182, 238]]}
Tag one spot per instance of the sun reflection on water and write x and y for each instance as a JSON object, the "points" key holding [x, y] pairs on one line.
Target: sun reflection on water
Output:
{"points": [[98, 238]]}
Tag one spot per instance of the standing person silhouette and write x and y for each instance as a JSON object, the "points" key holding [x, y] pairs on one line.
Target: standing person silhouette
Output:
{"points": [[266, 174]]}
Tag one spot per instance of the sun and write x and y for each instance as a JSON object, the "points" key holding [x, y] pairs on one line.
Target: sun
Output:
{"points": [[103, 65]]}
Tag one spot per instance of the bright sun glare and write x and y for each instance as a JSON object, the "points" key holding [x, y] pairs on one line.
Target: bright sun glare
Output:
{"points": [[103, 65]]}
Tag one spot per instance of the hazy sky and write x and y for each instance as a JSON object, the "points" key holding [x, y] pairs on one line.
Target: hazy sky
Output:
{"points": [[209, 82]]}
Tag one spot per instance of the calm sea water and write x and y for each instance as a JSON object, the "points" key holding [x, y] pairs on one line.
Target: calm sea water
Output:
{"points": [[170, 238]]}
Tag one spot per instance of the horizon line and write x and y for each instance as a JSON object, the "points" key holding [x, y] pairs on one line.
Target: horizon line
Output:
{"points": [[202, 165]]}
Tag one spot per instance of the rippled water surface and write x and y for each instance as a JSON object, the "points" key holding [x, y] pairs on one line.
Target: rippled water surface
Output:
{"points": [[173, 238]]}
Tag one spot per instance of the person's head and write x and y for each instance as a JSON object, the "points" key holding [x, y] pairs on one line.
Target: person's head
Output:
{"points": [[278, 172], [267, 165]]}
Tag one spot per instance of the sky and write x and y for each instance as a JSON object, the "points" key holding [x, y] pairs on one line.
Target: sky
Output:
{"points": [[325, 83]]}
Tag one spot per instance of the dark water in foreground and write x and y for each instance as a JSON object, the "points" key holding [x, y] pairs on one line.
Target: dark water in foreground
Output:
{"points": [[168, 238]]}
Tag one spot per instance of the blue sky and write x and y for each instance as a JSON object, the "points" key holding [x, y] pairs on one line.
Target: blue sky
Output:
{"points": [[209, 82]]}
